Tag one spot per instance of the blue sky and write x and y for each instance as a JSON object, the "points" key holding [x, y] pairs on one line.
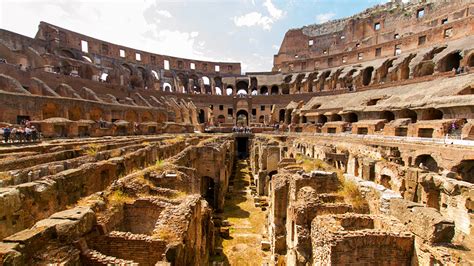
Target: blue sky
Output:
{"points": [[246, 31]]}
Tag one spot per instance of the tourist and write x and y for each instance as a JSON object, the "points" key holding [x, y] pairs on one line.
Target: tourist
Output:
{"points": [[27, 134], [34, 133], [6, 133]]}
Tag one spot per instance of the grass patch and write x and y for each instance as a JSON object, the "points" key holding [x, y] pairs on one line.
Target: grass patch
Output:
{"points": [[118, 197], [5, 176], [92, 149], [352, 194]]}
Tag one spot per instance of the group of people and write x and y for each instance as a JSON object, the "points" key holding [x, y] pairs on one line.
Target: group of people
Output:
{"points": [[241, 129], [19, 134]]}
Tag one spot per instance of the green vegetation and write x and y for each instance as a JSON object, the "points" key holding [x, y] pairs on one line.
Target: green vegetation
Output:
{"points": [[92, 149], [118, 197]]}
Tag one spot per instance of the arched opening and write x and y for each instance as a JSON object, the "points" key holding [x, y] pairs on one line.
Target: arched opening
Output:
{"points": [[407, 113], [336, 117], [352, 118], [274, 90], [465, 170], [50, 110], [74, 113], [242, 118], [242, 86], [367, 76], [387, 115], [385, 181], [167, 87], [431, 114], [208, 190], [221, 119], [128, 69], [67, 53], [95, 114], [285, 90], [229, 90], [241, 92], [264, 90], [86, 58], [450, 62], [433, 198], [322, 119], [304, 119], [207, 85], [155, 75], [131, 116], [281, 115], [218, 91], [261, 119], [201, 116], [470, 61], [147, 117], [254, 92], [426, 162]]}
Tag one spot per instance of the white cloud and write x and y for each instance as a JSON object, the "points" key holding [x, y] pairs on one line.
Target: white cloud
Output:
{"points": [[273, 10], [257, 19], [164, 13], [254, 19], [276, 47], [324, 17]]}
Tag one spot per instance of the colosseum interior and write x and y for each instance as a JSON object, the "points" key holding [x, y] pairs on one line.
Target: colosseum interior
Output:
{"points": [[357, 148]]}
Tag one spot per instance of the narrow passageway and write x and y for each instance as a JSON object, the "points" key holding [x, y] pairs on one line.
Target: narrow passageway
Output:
{"points": [[246, 222]]}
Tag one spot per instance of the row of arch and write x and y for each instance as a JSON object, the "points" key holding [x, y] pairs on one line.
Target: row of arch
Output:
{"points": [[76, 113]]}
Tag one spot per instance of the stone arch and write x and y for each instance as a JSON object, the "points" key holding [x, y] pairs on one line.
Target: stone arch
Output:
{"points": [[281, 115], [465, 170], [388, 115], [128, 68], [351, 117], [50, 110], [221, 119], [242, 85], [202, 116], [407, 113], [367, 76], [449, 62], [207, 85], [67, 53], [229, 90], [75, 113], [264, 90], [218, 91], [242, 117], [95, 113], [322, 119], [470, 60], [431, 114], [147, 117], [426, 162], [131, 116], [274, 90], [336, 117], [167, 87]]}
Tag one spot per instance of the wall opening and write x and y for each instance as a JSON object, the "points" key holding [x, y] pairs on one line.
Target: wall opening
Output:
{"points": [[450, 62], [242, 147], [426, 162], [367, 76]]}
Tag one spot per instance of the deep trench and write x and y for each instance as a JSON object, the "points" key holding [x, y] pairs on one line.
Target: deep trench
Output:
{"points": [[243, 219]]}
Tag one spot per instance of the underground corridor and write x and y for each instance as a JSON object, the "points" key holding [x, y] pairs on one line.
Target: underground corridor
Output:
{"points": [[243, 218]]}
